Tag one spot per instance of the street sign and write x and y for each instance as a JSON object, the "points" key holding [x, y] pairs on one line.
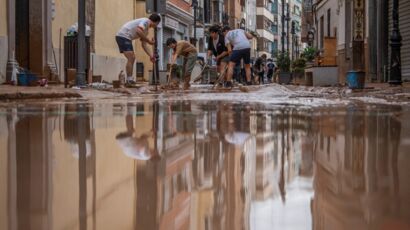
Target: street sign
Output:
{"points": [[161, 6], [200, 32], [171, 23]]}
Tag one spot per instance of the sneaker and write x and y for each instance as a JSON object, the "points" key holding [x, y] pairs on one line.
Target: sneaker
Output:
{"points": [[228, 85], [248, 83]]}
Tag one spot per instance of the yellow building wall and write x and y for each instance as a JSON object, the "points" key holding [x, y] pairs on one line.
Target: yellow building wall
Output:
{"points": [[109, 17], [141, 56], [3, 18], [115, 181], [65, 16]]}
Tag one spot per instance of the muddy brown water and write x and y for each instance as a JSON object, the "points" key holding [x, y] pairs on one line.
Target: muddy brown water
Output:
{"points": [[187, 165]]}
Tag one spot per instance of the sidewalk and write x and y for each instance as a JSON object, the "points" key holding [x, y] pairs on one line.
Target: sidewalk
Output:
{"points": [[375, 90]]}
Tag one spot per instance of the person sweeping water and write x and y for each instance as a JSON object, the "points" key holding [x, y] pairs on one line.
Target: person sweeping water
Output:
{"points": [[189, 54], [239, 48], [134, 30]]}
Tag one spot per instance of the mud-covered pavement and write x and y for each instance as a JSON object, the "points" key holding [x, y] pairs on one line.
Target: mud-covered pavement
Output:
{"points": [[268, 94]]}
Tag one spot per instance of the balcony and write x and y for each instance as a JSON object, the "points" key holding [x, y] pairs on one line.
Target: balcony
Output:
{"points": [[265, 12]]}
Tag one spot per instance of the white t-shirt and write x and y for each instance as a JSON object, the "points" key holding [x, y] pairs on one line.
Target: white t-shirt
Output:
{"points": [[237, 38], [129, 30]]}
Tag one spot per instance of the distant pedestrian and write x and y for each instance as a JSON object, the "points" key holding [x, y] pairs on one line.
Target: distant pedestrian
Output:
{"points": [[237, 42], [259, 68], [270, 66], [133, 30], [190, 55]]}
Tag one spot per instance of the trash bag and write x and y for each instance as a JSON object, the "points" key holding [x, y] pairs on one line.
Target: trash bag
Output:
{"points": [[73, 30]]}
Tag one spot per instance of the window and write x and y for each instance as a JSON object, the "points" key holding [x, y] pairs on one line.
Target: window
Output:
{"points": [[328, 22], [322, 33], [274, 47], [274, 8]]}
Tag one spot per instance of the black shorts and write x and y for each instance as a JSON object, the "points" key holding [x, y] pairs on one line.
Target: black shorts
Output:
{"points": [[238, 55], [124, 44]]}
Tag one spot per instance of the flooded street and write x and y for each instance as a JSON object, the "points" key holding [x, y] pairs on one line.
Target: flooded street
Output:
{"points": [[204, 165]]}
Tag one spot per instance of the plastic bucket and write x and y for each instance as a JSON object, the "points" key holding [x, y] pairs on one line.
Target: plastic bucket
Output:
{"points": [[355, 79], [26, 79], [22, 79]]}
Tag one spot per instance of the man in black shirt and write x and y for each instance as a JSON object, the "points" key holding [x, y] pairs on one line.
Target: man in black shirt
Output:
{"points": [[217, 48]]}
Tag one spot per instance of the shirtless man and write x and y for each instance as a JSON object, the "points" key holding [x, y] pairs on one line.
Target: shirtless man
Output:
{"points": [[133, 30]]}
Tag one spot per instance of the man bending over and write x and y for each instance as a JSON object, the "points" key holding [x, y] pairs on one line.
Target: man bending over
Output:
{"points": [[134, 30]]}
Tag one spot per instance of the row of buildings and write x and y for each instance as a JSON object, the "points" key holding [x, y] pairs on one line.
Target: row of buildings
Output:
{"points": [[32, 32], [362, 30]]}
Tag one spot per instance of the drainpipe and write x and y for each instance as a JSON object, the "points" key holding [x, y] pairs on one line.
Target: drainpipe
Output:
{"points": [[80, 79], [395, 38], [11, 33]]}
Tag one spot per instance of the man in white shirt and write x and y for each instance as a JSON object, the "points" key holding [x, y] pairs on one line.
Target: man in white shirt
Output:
{"points": [[237, 42], [133, 30]]}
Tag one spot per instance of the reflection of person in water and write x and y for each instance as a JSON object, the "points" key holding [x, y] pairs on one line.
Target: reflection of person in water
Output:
{"points": [[73, 115], [136, 146]]}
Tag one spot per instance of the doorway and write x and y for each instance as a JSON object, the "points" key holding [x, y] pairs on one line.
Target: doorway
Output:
{"points": [[22, 33]]}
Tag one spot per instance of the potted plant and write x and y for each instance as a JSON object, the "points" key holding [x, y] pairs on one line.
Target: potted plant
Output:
{"points": [[283, 63], [298, 70], [309, 54]]}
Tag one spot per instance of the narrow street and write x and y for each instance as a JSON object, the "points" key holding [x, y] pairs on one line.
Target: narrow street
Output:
{"points": [[204, 115]]}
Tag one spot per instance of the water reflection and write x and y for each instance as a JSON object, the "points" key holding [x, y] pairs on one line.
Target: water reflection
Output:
{"points": [[186, 165]]}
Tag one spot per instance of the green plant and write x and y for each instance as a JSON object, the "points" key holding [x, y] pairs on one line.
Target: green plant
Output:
{"points": [[309, 54], [299, 65], [283, 62]]}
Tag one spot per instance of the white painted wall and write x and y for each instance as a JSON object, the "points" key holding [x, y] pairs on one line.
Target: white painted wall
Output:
{"points": [[341, 26], [334, 20]]}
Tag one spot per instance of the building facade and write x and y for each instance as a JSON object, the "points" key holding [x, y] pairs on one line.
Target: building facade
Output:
{"points": [[362, 30], [265, 20], [32, 35]]}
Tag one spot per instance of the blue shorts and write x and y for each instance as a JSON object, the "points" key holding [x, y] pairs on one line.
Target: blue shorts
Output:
{"points": [[238, 55], [124, 44]]}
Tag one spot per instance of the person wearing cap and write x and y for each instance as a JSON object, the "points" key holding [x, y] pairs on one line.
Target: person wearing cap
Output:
{"points": [[189, 54], [134, 30], [239, 47], [217, 48]]}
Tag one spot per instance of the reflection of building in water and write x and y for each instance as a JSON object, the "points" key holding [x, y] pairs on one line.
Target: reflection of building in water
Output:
{"points": [[164, 186], [266, 141], [29, 162], [357, 172], [289, 128], [224, 169]]}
